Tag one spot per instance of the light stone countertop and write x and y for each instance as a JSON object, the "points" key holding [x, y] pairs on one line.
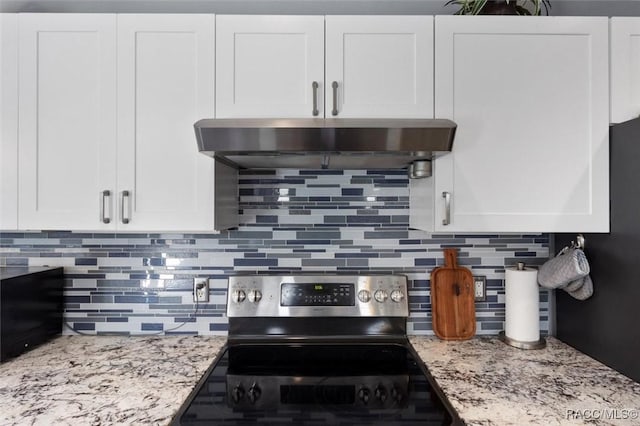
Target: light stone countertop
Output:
{"points": [[105, 380], [490, 383]]}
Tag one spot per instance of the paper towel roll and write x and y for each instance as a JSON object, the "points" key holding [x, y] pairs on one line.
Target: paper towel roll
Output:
{"points": [[522, 305]]}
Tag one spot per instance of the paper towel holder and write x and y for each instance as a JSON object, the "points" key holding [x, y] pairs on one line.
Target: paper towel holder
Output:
{"points": [[538, 344]]}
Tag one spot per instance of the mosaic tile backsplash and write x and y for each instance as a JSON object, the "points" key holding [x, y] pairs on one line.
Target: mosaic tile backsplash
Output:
{"points": [[351, 221]]}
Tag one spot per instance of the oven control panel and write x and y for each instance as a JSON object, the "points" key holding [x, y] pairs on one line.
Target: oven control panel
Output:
{"points": [[246, 392], [318, 295]]}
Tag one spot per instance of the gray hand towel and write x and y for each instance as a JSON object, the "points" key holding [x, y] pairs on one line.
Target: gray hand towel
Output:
{"points": [[574, 285], [570, 265], [583, 292]]}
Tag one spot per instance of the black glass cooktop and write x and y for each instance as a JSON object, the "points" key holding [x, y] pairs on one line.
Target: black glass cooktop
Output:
{"points": [[315, 384]]}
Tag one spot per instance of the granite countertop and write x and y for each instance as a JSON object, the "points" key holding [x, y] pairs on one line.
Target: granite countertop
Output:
{"points": [[490, 383], [102, 380], [144, 380]]}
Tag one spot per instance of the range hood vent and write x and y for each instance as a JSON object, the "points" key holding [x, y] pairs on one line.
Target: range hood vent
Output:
{"points": [[326, 143]]}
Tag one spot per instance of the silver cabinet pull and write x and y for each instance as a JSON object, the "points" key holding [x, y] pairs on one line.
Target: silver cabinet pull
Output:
{"points": [[334, 86], [106, 194], [125, 196], [314, 87], [447, 208]]}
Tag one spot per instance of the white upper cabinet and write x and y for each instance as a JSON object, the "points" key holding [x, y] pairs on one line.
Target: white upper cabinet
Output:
{"points": [[8, 121], [80, 74], [625, 69], [275, 66], [103, 131], [165, 84], [380, 66], [266, 66], [530, 97], [67, 126]]}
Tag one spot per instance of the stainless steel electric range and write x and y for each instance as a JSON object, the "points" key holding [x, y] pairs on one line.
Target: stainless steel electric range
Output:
{"points": [[317, 350]]}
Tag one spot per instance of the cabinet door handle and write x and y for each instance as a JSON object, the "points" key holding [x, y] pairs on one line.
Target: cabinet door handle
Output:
{"points": [[314, 87], [106, 195], [123, 216], [334, 87], [447, 208]]}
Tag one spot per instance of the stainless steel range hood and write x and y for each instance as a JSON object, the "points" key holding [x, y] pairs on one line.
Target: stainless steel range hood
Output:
{"points": [[326, 143]]}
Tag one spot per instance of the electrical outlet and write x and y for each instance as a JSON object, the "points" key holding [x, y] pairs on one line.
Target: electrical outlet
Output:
{"points": [[480, 288], [200, 289]]}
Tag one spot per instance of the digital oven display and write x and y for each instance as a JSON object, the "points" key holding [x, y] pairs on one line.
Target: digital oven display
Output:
{"points": [[316, 294], [320, 288]]}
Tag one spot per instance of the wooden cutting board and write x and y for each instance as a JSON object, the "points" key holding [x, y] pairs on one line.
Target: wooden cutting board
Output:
{"points": [[452, 299]]}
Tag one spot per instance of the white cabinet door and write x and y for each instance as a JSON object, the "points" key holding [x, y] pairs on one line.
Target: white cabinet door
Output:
{"points": [[266, 66], [165, 84], [8, 121], [530, 97], [381, 66], [67, 126], [625, 69]]}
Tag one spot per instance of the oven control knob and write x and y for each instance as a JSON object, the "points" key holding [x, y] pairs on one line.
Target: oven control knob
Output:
{"points": [[397, 296], [380, 393], [238, 296], [254, 296], [397, 396], [237, 394], [380, 295], [254, 393], [363, 395], [364, 296]]}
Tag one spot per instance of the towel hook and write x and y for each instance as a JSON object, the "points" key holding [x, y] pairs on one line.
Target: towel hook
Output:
{"points": [[579, 242]]}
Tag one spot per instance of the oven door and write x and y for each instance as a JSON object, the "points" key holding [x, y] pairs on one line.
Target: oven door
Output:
{"points": [[312, 384]]}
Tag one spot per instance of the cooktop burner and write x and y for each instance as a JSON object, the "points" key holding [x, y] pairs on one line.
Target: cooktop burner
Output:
{"points": [[317, 350], [368, 384]]}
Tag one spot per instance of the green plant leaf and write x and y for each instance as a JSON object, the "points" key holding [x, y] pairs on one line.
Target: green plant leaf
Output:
{"points": [[523, 10], [525, 7]]}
